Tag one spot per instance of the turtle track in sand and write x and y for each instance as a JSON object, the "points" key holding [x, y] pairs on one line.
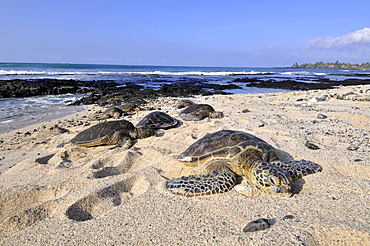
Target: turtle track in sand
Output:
{"points": [[39, 203], [103, 168], [110, 186], [103, 200]]}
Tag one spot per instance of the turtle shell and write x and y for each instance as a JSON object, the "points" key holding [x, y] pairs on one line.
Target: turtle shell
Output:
{"points": [[223, 144], [157, 120], [112, 112], [185, 103], [197, 112], [99, 134]]}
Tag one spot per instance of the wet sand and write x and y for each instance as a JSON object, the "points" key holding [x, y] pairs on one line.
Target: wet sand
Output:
{"points": [[52, 195]]}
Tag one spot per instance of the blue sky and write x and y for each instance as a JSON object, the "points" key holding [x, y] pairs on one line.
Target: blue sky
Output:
{"points": [[191, 33]]}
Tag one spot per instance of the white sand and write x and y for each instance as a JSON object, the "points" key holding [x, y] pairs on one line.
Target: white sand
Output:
{"points": [[97, 196]]}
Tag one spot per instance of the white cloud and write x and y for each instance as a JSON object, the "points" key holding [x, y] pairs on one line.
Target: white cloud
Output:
{"points": [[358, 38]]}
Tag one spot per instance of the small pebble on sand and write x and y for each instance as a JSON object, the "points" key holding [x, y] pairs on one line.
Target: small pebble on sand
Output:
{"points": [[311, 145], [257, 225]]}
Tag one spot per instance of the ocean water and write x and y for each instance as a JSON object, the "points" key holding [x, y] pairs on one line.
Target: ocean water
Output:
{"points": [[14, 112]]}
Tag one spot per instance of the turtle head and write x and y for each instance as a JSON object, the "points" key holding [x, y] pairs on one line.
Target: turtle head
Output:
{"points": [[216, 114], [144, 132], [272, 178], [116, 114]]}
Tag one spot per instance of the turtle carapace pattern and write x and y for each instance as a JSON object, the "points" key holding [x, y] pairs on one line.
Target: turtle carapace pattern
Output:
{"points": [[158, 120], [120, 132], [222, 156]]}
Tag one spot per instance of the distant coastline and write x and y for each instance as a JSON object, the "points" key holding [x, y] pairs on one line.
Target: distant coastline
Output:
{"points": [[333, 65]]}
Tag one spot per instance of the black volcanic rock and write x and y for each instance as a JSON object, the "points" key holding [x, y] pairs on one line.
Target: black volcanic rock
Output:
{"points": [[296, 85], [26, 88], [223, 87], [289, 85], [107, 92]]}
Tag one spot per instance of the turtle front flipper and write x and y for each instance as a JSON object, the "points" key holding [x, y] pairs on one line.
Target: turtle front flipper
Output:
{"points": [[217, 181], [121, 139], [298, 169]]}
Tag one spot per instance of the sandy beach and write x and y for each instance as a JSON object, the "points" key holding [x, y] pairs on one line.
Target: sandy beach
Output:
{"points": [[52, 195]]}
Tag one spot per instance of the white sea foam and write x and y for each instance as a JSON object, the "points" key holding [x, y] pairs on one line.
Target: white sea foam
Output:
{"points": [[188, 73], [306, 73], [14, 72], [37, 101], [63, 99], [296, 73], [6, 122]]}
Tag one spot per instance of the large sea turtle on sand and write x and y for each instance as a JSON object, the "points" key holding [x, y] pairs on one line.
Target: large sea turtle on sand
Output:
{"points": [[120, 132], [198, 112], [224, 155], [158, 120]]}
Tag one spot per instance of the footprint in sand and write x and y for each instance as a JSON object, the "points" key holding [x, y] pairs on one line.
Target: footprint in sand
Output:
{"points": [[107, 198], [27, 206], [66, 158], [30, 204], [107, 166], [33, 204]]}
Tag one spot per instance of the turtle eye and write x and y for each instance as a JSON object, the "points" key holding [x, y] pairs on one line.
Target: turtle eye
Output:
{"points": [[279, 184], [275, 180]]}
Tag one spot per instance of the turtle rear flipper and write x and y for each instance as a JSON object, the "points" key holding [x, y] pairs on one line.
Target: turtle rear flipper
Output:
{"points": [[298, 169], [217, 181]]}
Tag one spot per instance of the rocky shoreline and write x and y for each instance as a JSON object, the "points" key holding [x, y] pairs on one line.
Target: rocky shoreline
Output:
{"points": [[319, 84], [104, 92]]}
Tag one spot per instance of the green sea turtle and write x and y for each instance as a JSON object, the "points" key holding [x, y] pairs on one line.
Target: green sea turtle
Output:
{"points": [[118, 111], [157, 120], [222, 156], [185, 103], [198, 112], [120, 132]]}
